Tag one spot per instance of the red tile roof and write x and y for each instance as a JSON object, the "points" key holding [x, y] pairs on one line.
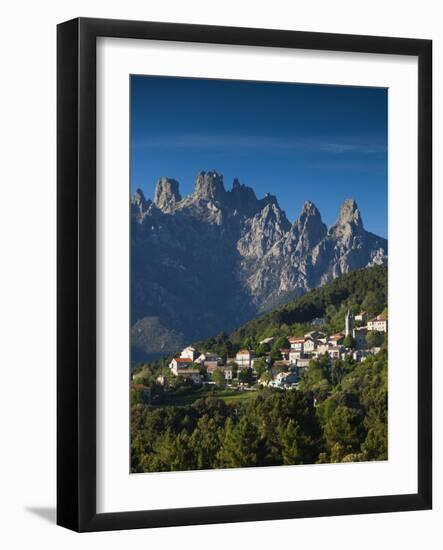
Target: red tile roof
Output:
{"points": [[183, 359]]}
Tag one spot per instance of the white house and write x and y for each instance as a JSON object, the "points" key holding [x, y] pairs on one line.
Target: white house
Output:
{"points": [[228, 372], [189, 353], [309, 345], [208, 360], [245, 358], [336, 352], [283, 379], [379, 323], [190, 374], [212, 359], [179, 363], [296, 343], [294, 356], [322, 348], [285, 353], [336, 339]]}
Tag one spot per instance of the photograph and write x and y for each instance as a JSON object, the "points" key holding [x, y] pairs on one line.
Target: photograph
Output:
{"points": [[221, 267], [259, 274]]}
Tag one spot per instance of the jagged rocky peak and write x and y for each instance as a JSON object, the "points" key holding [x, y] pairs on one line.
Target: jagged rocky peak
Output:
{"points": [[269, 199], [234, 251], [309, 216], [209, 186], [350, 214], [272, 213], [309, 227], [263, 231], [138, 198], [307, 231], [243, 199], [236, 184], [167, 194], [139, 202]]}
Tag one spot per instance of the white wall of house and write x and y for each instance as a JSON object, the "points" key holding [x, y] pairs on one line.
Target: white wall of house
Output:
{"points": [[189, 353], [380, 326], [309, 346]]}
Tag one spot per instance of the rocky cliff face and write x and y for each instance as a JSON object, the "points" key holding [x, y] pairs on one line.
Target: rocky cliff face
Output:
{"points": [[210, 261], [167, 194]]}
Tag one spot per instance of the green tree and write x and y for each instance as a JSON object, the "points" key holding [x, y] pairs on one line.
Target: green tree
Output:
{"points": [[376, 443], [341, 432], [280, 343], [260, 366], [218, 377], [374, 339], [349, 341], [171, 453], [338, 371], [373, 303], [266, 377], [316, 378], [289, 437], [245, 376], [240, 445], [262, 349], [205, 442]]}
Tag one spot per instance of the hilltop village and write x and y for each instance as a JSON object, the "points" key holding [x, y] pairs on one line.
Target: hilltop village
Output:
{"points": [[249, 369], [305, 383]]}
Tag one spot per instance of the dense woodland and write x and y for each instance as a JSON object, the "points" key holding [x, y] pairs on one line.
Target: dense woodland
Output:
{"points": [[338, 413]]}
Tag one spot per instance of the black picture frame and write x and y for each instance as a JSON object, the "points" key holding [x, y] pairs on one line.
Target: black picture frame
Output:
{"points": [[76, 294]]}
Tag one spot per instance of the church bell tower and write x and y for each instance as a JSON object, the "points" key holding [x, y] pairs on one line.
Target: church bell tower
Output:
{"points": [[349, 318]]}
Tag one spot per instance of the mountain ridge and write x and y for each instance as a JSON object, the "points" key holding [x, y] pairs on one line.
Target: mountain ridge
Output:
{"points": [[212, 260]]}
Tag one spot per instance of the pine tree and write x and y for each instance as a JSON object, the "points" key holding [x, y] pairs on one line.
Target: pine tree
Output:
{"points": [[240, 445], [289, 437], [205, 442]]}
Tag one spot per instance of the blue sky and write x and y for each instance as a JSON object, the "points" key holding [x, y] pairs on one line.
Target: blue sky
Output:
{"points": [[297, 141]]}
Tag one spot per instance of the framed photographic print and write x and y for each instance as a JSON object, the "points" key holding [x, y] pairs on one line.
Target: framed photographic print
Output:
{"points": [[244, 274]]}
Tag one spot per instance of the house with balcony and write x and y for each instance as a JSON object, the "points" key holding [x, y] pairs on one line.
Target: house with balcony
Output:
{"points": [[296, 343], [179, 363], [309, 346], [193, 375], [245, 358], [336, 352], [208, 359], [379, 323]]}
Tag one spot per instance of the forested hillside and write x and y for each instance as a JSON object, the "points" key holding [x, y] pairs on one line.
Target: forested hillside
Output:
{"points": [[338, 414], [365, 289]]}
